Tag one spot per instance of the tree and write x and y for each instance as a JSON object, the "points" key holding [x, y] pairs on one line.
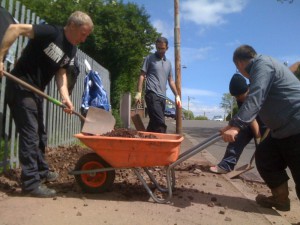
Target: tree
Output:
{"points": [[201, 118], [228, 103], [188, 114], [125, 36]]}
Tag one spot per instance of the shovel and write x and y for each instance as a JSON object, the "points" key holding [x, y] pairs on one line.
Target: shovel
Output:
{"points": [[247, 167], [137, 121], [98, 121]]}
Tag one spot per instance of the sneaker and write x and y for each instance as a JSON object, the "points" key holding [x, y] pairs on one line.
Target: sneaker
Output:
{"points": [[51, 176], [216, 169], [42, 191]]}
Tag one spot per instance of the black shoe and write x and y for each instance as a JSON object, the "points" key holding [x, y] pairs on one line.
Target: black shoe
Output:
{"points": [[42, 191], [51, 176], [272, 201]]}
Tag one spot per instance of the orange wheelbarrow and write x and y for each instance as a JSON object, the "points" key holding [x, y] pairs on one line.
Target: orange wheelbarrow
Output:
{"points": [[95, 172]]}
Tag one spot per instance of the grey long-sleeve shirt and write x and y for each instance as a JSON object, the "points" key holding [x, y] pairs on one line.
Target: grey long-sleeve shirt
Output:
{"points": [[274, 95]]}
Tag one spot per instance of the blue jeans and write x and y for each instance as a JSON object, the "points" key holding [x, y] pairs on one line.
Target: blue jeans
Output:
{"points": [[235, 149]]}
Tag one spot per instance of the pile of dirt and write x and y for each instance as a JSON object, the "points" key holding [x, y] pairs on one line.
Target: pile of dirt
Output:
{"points": [[60, 159], [128, 133]]}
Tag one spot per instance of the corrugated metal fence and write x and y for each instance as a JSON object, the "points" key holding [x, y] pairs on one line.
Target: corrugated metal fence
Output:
{"points": [[60, 126]]}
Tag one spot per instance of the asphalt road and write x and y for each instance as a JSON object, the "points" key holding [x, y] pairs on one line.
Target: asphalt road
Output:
{"points": [[199, 130]]}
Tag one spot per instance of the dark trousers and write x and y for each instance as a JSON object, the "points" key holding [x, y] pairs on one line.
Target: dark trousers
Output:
{"points": [[272, 158], [27, 112], [156, 108]]}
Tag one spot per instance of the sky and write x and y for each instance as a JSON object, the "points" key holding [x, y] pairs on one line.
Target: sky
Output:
{"points": [[210, 31]]}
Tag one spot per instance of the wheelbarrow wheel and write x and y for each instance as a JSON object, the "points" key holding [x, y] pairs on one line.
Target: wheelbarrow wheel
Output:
{"points": [[95, 182]]}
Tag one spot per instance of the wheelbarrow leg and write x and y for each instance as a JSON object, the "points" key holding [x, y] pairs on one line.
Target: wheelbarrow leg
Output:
{"points": [[154, 197], [152, 178]]}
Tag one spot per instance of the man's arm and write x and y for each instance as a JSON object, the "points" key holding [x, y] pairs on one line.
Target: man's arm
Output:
{"points": [[11, 34], [255, 129], [172, 85], [138, 95], [62, 85], [174, 90]]}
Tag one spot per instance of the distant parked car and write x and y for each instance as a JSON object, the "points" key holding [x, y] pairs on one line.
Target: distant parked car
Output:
{"points": [[217, 118], [170, 112]]}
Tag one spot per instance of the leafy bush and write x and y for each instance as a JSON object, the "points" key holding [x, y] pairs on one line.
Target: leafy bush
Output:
{"points": [[201, 118]]}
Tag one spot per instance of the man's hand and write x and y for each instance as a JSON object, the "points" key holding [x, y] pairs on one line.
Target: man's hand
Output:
{"points": [[178, 101], [222, 130], [70, 107], [230, 134], [138, 97]]}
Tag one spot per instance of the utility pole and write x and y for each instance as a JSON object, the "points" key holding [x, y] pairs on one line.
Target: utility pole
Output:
{"points": [[188, 107], [177, 64], [189, 99]]}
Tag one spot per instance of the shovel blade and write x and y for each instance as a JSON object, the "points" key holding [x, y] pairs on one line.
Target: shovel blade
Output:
{"points": [[138, 123], [239, 171], [98, 121]]}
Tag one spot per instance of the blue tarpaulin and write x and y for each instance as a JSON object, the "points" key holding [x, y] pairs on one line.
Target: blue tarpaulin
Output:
{"points": [[94, 93]]}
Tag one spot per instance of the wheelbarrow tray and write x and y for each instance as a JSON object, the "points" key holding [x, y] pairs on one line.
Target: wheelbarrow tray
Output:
{"points": [[122, 152]]}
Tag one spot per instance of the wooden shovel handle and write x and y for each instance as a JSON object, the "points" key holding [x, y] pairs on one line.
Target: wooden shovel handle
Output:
{"points": [[39, 92]]}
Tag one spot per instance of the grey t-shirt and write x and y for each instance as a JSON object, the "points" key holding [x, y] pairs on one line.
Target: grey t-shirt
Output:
{"points": [[157, 72], [274, 95]]}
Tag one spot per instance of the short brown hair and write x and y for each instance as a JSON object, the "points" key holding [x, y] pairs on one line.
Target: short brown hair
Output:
{"points": [[80, 18], [162, 40], [244, 52]]}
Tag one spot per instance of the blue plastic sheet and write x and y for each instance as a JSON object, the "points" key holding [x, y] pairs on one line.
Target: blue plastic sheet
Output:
{"points": [[94, 93]]}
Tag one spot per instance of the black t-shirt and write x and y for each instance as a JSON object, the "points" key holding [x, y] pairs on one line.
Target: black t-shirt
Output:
{"points": [[44, 55]]}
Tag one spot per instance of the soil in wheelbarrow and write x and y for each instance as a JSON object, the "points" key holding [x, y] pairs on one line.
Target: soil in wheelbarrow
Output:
{"points": [[128, 133]]}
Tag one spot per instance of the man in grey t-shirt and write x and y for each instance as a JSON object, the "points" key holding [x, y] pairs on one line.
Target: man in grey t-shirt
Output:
{"points": [[274, 95], [158, 71]]}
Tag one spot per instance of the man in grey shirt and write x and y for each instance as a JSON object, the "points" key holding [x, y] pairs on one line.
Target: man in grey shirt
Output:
{"points": [[158, 71], [274, 95]]}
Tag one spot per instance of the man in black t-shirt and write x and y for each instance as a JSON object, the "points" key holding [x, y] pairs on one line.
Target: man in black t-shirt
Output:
{"points": [[47, 54]]}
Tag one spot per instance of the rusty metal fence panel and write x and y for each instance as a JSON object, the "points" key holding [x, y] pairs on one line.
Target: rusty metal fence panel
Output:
{"points": [[60, 126]]}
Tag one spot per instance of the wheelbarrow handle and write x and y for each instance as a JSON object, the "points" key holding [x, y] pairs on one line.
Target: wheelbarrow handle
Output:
{"points": [[39, 92]]}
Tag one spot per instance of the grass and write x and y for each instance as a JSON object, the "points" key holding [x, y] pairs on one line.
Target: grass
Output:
{"points": [[2, 154]]}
